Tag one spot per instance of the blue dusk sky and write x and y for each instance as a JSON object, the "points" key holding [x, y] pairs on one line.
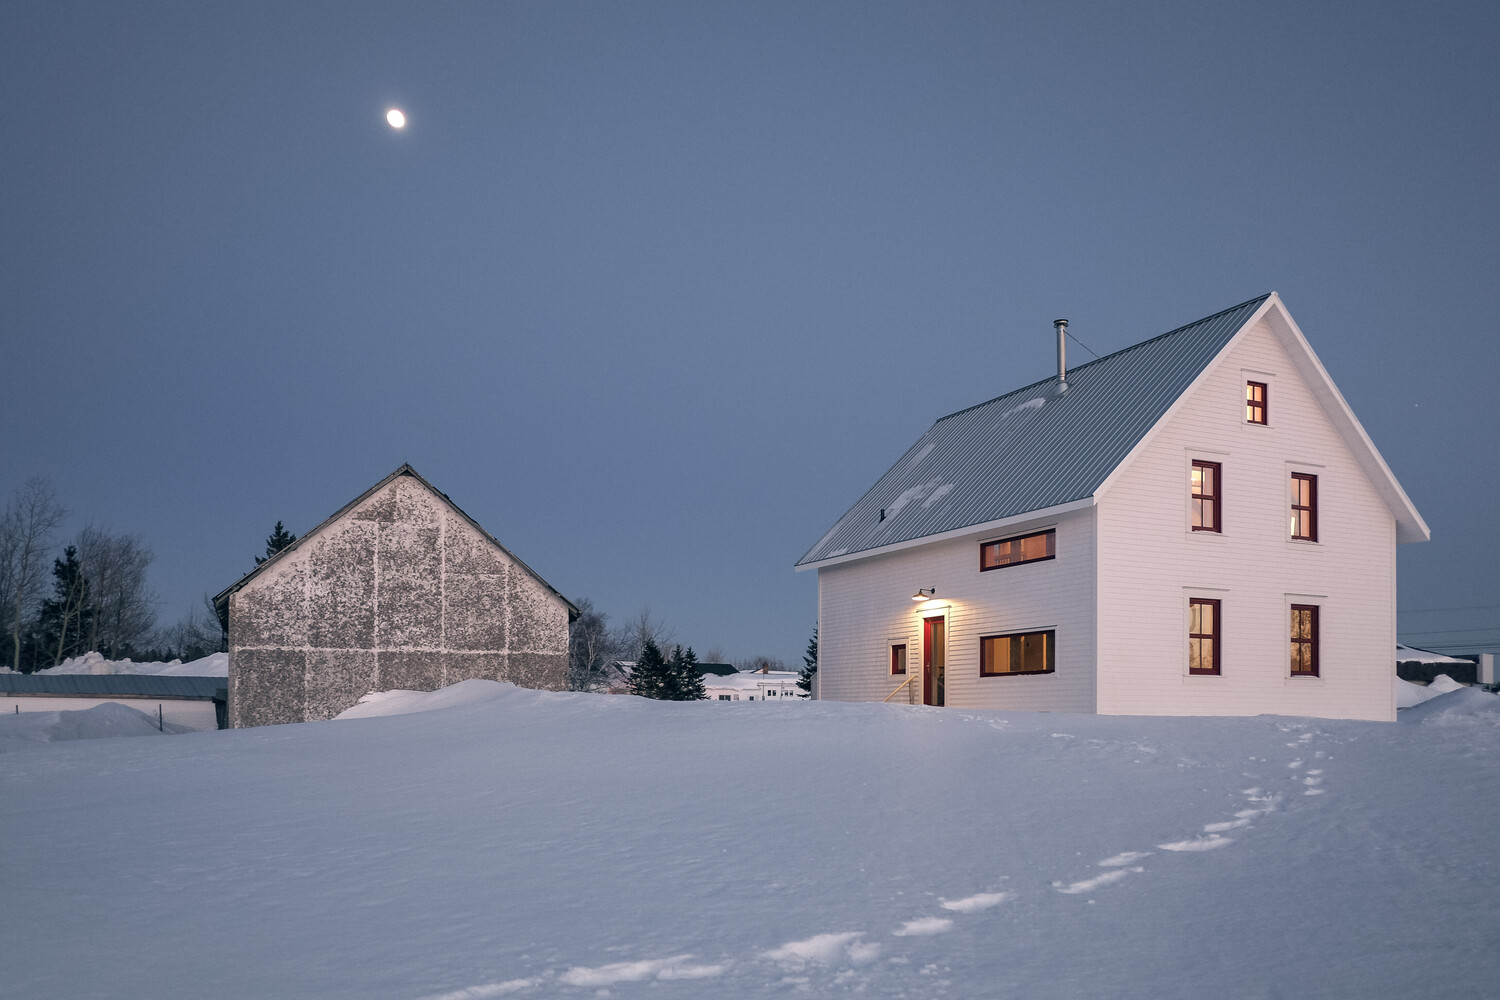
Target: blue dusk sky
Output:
{"points": [[656, 291]]}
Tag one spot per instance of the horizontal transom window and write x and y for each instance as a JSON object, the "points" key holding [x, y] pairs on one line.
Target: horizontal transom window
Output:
{"points": [[1017, 653], [1022, 549]]}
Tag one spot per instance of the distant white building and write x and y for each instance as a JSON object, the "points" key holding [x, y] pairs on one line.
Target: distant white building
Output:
{"points": [[762, 685], [1196, 525]]}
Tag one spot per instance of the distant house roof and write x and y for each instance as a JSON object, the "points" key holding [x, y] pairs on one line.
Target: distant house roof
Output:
{"points": [[1035, 449], [718, 669], [221, 599], [113, 685], [750, 681], [1415, 654]]}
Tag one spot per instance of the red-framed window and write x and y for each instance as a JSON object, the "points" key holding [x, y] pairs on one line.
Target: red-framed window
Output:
{"points": [[1208, 488], [1021, 549], [1018, 653], [1304, 640], [898, 658], [1257, 405], [1305, 506], [1204, 629]]}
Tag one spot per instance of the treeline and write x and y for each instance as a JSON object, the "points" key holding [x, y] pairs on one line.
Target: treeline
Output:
{"points": [[594, 647], [91, 596]]}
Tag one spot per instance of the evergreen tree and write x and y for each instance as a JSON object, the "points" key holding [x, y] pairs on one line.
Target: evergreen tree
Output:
{"points": [[810, 659], [278, 539], [687, 676], [64, 623], [651, 677]]}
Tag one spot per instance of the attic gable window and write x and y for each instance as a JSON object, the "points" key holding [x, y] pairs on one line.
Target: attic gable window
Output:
{"points": [[1206, 483], [1022, 549], [1256, 406]]}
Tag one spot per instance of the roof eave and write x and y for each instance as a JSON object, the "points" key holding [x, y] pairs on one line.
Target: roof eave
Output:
{"points": [[1410, 527], [1409, 524], [983, 528]]}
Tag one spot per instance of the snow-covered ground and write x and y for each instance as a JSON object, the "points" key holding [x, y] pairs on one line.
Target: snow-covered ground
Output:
{"points": [[529, 844]]}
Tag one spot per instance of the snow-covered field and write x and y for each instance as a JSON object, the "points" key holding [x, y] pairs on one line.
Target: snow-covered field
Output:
{"points": [[527, 844]]}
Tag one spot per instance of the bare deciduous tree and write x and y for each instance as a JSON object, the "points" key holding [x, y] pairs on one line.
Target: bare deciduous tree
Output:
{"points": [[199, 634], [122, 613], [631, 637], [755, 664], [26, 528], [590, 647]]}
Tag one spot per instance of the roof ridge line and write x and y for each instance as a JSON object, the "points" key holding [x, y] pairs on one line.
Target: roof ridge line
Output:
{"points": [[1124, 350]]}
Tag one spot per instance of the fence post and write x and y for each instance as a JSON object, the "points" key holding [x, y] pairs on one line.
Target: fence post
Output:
{"points": [[159, 727]]}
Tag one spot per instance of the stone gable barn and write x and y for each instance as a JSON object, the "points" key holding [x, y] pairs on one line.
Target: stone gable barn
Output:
{"points": [[398, 590]]}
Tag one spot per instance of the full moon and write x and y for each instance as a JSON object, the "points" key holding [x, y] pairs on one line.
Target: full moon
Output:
{"points": [[396, 118]]}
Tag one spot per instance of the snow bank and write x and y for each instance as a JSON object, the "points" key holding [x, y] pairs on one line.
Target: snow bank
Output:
{"points": [[213, 665], [100, 722], [1410, 695], [382, 703], [1457, 705]]}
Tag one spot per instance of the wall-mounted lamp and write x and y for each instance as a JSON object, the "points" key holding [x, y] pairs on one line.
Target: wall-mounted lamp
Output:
{"points": [[925, 595]]}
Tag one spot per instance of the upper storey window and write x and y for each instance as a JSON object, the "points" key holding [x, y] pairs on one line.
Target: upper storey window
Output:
{"points": [[1014, 551], [1256, 405], [1304, 506], [1206, 496]]}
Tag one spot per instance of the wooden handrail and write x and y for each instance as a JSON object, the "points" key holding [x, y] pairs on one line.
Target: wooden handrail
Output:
{"points": [[898, 690]]}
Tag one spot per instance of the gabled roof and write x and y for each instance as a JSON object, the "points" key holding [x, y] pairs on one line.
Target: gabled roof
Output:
{"points": [[221, 599], [1037, 450]]}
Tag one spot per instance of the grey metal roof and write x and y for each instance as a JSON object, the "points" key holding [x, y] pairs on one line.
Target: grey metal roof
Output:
{"points": [[1031, 449], [113, 685]]}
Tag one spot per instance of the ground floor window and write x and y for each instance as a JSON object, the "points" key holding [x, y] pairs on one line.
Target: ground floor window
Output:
{"points": [[898, 658], [1304, 640], [1017, 653], [1203, 635]]}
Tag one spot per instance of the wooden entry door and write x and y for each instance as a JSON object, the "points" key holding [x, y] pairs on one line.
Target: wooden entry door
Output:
{"points": [[934, 656]]}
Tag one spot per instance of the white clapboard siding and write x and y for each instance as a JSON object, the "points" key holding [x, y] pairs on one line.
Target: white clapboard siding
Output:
{"points": [[1150, 562], [866, 605]]}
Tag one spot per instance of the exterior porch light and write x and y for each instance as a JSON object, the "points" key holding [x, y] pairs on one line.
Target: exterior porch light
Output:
{"points": [[924, 595]]}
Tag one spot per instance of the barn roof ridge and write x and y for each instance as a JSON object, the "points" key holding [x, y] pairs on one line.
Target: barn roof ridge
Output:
{"points": [[221, 599]]}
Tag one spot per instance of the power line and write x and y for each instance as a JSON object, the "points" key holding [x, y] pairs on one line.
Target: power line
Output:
{"points": [[1454, 631], [1467, 647], [1476, 607]]}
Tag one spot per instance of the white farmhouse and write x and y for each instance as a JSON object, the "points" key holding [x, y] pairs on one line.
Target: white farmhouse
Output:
{"points": [[1196, 525]]}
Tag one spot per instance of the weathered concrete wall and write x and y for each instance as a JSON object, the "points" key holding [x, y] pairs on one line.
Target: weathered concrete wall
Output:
{"points": [[400, 592]]}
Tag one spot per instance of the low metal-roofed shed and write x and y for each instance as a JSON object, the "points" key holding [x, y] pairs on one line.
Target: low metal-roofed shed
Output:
{"points": [[190, 702]]}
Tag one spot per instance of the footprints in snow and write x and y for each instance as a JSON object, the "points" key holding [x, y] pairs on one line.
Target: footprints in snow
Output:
{"points": [[1258, 804], [850, 949], [975, 903], [1090, 884]]}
